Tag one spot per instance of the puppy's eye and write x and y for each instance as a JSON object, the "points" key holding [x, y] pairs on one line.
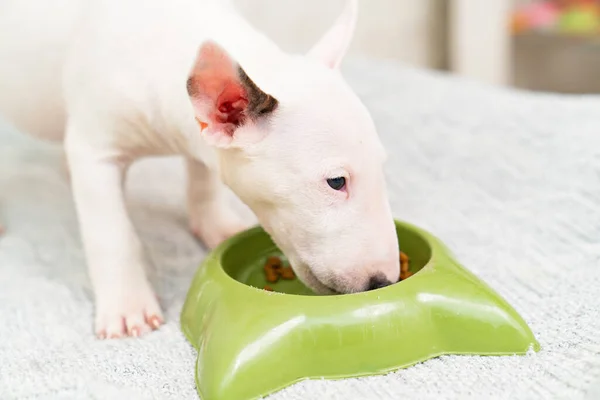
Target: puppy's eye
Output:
{"points": [[337, 183]]}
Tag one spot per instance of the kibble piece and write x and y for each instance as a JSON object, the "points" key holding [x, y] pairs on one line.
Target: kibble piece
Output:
{"points": [[274, 263], [268, 288], [403, 257], [404, 265], [287, 273], [405, 275], [271, 275], [274, 270]]}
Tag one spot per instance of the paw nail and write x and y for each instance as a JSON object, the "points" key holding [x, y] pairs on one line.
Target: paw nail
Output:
{"points": [[154, 322], [101, 335], [135, 332]]}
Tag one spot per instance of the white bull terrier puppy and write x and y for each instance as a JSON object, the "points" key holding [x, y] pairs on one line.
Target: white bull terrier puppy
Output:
{"points": [[123, 79]]}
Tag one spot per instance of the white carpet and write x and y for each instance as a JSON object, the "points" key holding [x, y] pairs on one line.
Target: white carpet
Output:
{"points": [[509, 180]]}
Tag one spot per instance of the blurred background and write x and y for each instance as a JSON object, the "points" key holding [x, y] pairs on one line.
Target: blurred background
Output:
{"points": [[544, 45]]}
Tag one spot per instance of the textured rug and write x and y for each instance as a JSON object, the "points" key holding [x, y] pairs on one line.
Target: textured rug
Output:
{"points": [[509, 180]]}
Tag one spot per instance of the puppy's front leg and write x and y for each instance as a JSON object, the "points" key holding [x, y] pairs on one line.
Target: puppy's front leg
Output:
{"points": [[211, 219], [125, 301]]}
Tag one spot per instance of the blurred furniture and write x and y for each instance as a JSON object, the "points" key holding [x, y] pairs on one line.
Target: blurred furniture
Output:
{"points": [[548, 62], [479, 40]]}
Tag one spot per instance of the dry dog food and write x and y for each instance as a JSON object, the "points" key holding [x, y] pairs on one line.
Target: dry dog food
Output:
{"points": [[287, 273], [274, 270], [404, 264], [271, 275], [273, 262]]}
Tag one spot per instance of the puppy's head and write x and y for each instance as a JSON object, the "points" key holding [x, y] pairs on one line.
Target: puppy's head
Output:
{"points": [[304, 155]]}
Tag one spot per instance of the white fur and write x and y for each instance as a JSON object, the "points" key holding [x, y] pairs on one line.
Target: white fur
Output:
{"points": [[109, 76]]}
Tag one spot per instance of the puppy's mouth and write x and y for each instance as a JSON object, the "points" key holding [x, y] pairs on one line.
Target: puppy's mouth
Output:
{"points": [[303, 272], [315, 284]]}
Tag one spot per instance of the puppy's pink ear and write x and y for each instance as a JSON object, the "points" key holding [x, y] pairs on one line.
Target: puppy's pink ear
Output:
{"points": [[224, 98], [332, 47]]}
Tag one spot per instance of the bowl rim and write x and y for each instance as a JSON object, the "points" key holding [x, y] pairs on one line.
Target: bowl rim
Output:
{"points": [[215, 257]]}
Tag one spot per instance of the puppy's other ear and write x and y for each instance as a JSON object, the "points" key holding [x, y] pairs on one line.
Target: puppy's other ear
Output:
{"points": [[332, 47], [223, 96]]}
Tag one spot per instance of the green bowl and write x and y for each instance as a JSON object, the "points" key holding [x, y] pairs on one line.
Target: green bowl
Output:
{"points": [[253, 342]]}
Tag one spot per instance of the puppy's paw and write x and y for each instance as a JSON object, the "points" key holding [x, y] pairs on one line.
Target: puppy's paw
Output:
{"points": [[127, 313], [215, 224]]}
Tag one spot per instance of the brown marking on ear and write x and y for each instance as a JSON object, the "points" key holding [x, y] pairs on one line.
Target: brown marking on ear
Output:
{"points": [[191, 87], [259, 102]]}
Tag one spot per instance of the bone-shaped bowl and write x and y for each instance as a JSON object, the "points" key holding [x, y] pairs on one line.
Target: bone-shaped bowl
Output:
{"points": [[253, 342]]}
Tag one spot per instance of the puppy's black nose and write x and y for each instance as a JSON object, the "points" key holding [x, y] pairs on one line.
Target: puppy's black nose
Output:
{"points": [[377, 282]]}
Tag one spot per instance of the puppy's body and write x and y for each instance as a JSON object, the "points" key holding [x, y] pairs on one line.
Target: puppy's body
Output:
{"points": [[110, 76], [123, 79]]}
